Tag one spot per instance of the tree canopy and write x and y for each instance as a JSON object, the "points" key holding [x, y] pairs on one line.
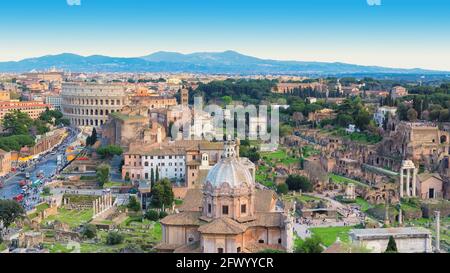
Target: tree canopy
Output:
{"points": [[297, 183], [10, 211], [162, 194]]}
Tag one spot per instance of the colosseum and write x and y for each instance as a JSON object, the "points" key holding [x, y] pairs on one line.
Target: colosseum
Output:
{"points": [[89, 104]]}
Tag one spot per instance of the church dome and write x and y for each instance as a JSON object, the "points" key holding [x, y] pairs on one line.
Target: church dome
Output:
{"points": [[230, 171]]}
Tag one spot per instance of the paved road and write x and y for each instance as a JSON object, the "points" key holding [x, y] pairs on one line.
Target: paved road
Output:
{"points": [[47, 164]]}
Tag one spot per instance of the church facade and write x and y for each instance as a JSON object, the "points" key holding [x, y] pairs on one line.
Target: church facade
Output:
{"points": [[229, 214]]}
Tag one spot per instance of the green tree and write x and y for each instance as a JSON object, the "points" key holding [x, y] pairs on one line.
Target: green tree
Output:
{"points": [[227, 100], [10, 211], [152, 177], [46, 191], [297, 183], [103, 174], [114, 238], [392, 246], [310, 245], [412, 114], [282, 188], [127, 177], [15, 143], [162, 194], [109, 151], [92, 139], [17, 123], [89, 231], [152, 215], [162, 214], [157, 175], [133, 204]]}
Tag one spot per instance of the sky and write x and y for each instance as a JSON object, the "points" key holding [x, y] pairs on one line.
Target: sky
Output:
{"points": [[392, 33]]}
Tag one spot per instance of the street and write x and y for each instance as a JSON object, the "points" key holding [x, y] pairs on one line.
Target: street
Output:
{"points": [[46, 165]]}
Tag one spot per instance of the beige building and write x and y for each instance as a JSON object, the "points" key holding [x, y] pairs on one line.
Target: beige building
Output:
{"points": [[5, 162], [430, 186], [285, 88], [322, 115], [399, 91], [89, 104], [132, 126], [33, 108], [229, 215], [5, 96]]}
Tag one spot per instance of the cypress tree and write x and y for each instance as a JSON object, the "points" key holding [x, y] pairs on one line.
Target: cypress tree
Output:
{"points": [[392, 246]]}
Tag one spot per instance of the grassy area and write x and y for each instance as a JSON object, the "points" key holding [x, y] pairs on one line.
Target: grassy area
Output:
{"points": [[309, 150], [2, 247], [280, 156], [137, 232], [329, 235], [363, 204], [301, 198], [114, 184], [39, 209], [360, 137], [73, 218], [80, 198], [344, 180]]}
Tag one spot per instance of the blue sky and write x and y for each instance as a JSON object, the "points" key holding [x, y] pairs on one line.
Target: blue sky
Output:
{"points": [[398, 33]]}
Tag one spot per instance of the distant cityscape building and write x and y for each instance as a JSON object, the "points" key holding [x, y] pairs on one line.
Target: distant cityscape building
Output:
{"points": [[380, 114], [5, 162], [54, 101], [399, 91], [32, 108], [5, 96]]}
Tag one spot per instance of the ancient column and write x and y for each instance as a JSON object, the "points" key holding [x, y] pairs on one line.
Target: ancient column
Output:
{"points": [[438, 230], [93, 207], [98, 206], [400, 216], [414, 190], [408, 182], [401, 182]]}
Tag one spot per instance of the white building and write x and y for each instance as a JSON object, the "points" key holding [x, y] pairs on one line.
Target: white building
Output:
{"points": [[170, 164], [381, 113], [407, 239], [55, 101]]}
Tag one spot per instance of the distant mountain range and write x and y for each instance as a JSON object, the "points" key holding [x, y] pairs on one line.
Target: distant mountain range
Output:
{"points": [[228, 62]]}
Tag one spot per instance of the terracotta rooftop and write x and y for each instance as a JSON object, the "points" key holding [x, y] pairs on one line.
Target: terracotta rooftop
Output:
{"points": [[192, 201], [186, 218], [264, 200], [222, 225]]}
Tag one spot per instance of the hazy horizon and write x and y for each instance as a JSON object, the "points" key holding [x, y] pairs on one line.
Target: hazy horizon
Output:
{"points": [[394, 34]]}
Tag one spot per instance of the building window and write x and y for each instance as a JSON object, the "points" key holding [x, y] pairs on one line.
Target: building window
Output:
{"points": [[279, 241], [209, 208], [261, 241], [244, 208], [225, 210], [220, 250]]}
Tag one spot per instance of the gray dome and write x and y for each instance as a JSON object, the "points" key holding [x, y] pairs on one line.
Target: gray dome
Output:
{"points": [[229, 170]]}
